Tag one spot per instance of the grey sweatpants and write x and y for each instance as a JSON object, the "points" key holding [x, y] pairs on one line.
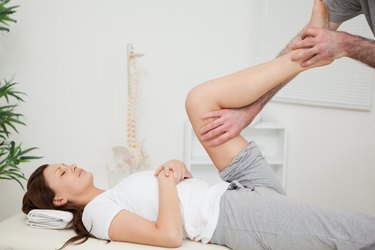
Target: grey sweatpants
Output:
{"points": [[255, 214]]}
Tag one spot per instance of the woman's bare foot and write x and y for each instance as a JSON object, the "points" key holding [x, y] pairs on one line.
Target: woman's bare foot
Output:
{"points": [[319, 15], [319, 19]]}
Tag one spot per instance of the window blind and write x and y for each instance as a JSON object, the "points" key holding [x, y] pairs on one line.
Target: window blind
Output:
{"points": [[345, 83]]}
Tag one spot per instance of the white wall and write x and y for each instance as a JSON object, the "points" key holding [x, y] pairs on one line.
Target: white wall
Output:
{"points": [[70, 58]]}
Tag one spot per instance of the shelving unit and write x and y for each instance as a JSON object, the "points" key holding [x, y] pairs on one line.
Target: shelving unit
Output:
{"points": [[269, 136]]}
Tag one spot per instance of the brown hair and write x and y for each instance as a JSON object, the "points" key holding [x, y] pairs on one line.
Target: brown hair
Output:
{"points": [[40, 196]]}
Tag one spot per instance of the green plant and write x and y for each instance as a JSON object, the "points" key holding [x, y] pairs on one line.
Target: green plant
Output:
{"points": [[11, 154], [5, 13]]}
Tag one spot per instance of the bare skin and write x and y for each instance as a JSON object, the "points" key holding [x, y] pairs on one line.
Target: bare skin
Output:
{"points": [[332, 44], [322, 43], [234, 91], [227, 123], [70, 183]]}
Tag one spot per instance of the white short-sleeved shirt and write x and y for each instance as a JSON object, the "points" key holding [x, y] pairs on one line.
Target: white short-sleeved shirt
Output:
{"points": [[139, 193]]}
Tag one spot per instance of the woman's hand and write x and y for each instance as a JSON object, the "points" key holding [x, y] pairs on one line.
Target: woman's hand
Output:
{"points": [[178, 168]]}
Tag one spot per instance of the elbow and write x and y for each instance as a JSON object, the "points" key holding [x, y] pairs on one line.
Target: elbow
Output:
{"points": [[173, 240], [174, 243]]}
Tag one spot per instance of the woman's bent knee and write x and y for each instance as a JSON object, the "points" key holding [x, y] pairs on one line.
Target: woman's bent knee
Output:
{"points": [[192, 100], [199, 100]]}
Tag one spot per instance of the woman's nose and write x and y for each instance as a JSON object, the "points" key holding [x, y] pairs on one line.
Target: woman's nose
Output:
{"points": [[73, 167]]}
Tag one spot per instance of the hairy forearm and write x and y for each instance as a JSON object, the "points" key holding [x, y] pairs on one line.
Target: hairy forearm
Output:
{"points": [[359, 48], [288, 48], [258, 105], [169, 216]]}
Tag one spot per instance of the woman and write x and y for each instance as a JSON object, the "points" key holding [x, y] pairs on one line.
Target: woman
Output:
{"points": [[247, 210]]}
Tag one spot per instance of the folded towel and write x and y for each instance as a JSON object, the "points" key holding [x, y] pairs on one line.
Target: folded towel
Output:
{"points": [[49, 219]]}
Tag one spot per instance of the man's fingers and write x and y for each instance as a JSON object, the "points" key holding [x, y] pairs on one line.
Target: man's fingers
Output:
{"points": [[221, 139], [303, 55], [306, 43], [212, 114], [311, 61], [213, 124], [214, 132]]}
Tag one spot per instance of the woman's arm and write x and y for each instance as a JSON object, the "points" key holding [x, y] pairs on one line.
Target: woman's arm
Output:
{"points": [[165, 232], [169, 217], [178, 168]]}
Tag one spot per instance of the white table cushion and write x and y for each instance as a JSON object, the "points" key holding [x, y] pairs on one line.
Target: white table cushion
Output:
{"points": [[15, 234]]}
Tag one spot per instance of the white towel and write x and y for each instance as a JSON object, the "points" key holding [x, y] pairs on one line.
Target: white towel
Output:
{"points": [[49, 219]]}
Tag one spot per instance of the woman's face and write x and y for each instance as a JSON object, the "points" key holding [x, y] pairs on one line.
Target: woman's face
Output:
{"points": [[69, 182]]}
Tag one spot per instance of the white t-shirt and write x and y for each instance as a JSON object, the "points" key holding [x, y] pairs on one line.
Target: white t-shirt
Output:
{"points": [[139, 193]]}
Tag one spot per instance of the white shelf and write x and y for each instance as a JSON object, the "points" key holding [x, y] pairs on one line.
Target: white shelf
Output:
{"points": [[269, 136]]}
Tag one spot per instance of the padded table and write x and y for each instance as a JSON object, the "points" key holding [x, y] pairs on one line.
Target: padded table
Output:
{"points": [[16, 235]]}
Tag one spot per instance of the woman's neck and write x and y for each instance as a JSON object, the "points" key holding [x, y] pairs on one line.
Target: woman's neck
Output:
{"points": [[89, 196]]}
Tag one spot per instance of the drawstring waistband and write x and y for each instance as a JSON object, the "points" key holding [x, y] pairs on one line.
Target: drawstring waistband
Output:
{"points": [[236, 185]]}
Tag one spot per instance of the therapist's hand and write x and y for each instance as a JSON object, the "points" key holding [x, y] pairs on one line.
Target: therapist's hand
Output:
{"points": [[175, 167], [227, 124], [320, 44]]}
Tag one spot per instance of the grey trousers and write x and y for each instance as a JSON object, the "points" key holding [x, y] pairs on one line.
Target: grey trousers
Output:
{"points": [[255, 213]]}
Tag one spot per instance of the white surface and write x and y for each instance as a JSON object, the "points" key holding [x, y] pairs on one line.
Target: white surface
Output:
{"points": [[15, 234], [75, 74]]}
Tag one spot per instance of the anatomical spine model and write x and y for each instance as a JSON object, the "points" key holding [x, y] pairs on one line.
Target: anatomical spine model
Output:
{"points": [[129, 159]]}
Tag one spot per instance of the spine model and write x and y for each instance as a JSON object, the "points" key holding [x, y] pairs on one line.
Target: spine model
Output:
{"points": [[132, 158], [135, 147]]}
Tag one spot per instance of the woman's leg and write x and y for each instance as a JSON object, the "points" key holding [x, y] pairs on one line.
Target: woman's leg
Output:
{"points": [[234, 91], [264, 219], [241, 89]]}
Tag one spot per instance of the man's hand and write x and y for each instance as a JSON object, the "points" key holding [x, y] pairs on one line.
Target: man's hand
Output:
{"points": [[178, 168], [320, 44], [227, 124]]}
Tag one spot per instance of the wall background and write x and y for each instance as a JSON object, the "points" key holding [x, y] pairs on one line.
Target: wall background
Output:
{"points": [[70, 58]]}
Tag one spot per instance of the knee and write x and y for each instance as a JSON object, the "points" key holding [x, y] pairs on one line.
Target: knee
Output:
{"points": [[191, 100], [194, 99], [199, 99]]}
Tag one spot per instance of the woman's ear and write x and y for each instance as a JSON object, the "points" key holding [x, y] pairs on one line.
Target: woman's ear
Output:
{"points": [[59, 201]]}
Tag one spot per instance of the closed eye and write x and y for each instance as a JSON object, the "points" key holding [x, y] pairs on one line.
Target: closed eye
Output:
{"points": [[62, 173]]}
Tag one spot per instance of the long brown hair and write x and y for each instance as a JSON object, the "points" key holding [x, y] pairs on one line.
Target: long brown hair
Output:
{"points": [[40, 196]]}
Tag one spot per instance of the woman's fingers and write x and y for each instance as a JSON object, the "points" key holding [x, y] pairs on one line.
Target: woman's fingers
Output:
{"points": [[158, 170], [166, 169], [176, 173], [177, 168]]}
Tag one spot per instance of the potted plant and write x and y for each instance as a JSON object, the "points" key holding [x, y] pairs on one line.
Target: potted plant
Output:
{"points": [[5, 13], [11, 153]]}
